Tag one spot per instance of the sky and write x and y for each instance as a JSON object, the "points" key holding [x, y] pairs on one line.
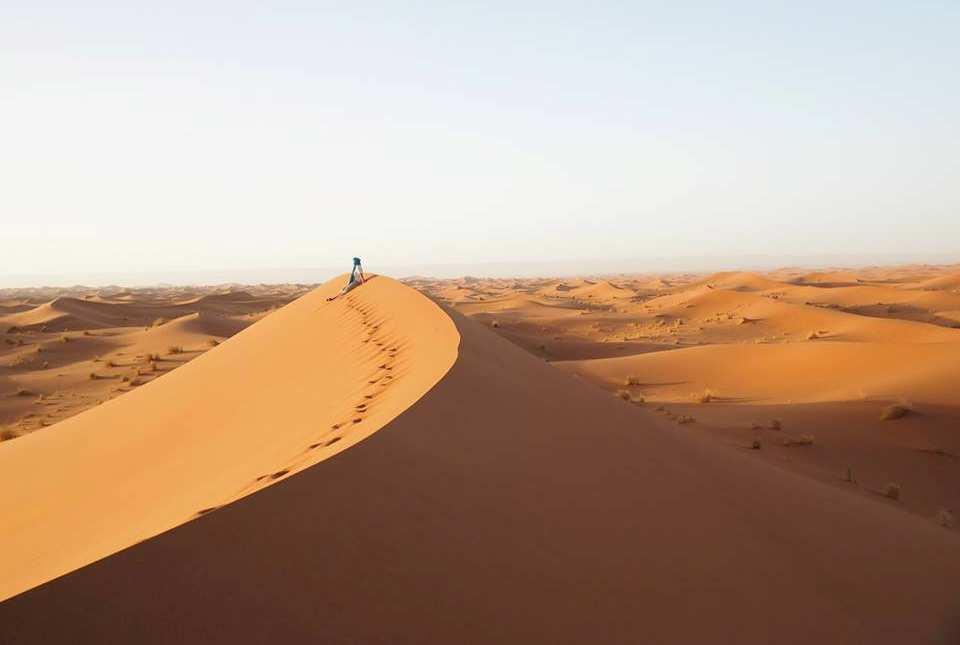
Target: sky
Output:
{"points": [[144, 140]]}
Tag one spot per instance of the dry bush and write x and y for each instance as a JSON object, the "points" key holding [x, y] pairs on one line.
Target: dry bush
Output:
{"points": [[632, 380], [64, 339], [756, 426], [848, 475], [684, 419], [93, 376], [495, 324], [812, 335], [892, 491], [174, 349], [756, 445], [8, 434], [776, 424], [111, 364], [158, 322], [152, 358], [23, 392], [13, 329], [802, 440], [623, 394], [46, 364], [87, 332], [125, 379], [945, 518], [896, 411], [706, 397], [213, 342]]}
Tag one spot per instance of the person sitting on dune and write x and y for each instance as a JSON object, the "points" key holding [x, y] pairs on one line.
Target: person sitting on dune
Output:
{"points": [[356, 279]]}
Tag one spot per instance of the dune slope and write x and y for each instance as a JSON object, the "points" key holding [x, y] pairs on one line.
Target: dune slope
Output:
{"points": [[513, 504], [304, 383]]}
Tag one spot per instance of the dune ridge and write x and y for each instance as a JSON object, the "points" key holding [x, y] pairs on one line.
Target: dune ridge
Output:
{"points": [[312, 379]]}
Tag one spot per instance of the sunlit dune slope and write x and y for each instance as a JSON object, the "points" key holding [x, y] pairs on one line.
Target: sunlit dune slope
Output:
{"points": [[792, 372], [513, 503], [302, 384]]}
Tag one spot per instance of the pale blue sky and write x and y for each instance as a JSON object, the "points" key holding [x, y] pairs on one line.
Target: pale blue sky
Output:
{"points": [[189, 136]]}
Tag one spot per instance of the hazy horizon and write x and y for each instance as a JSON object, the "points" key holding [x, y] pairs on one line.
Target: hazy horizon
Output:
{"points": [[140, 138], [544, 269]]}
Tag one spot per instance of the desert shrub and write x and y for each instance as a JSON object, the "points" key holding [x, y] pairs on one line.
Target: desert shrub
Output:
{"points": [[812, 335], [125, 379], [706, 397], [13, 329], [633, 380], [684, 419], [623, 394], [93, 376], [46, 364], [896, 411], [174, 349], [756, 445], [213, 342], [64, 339], [111, 364], [945, 518], [776, 425], [848, 475], [892, 491], [8, 434], [495, 324], [23, 392], [802, 440], [158, 322]]}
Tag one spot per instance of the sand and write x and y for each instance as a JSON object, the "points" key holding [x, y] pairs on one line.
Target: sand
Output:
{"points": [[504, 498], [823, 352], [309, 381]]}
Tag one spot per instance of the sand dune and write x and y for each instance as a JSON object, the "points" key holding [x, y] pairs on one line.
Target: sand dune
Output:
{"points": [[823, 357], [508, 504], [310, 380], [794, 372], [66, 350]]}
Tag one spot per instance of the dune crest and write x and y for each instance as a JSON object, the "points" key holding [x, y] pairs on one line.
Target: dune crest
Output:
{"points": [[303, 384]]}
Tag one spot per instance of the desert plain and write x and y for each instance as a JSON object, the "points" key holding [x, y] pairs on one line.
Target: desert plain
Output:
{"points": [[730, 457]]}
